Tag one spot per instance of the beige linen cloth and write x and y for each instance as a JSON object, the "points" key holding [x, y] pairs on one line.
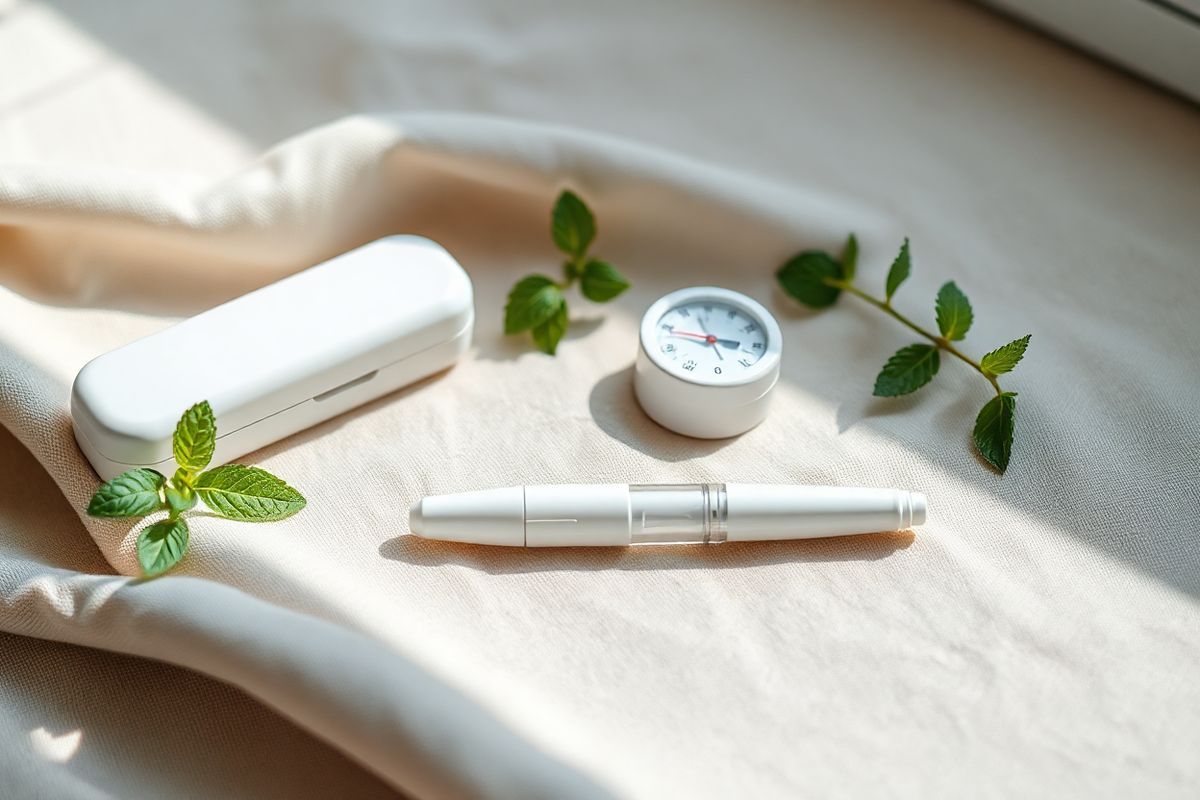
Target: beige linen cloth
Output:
{"points": [[1038, 637]]}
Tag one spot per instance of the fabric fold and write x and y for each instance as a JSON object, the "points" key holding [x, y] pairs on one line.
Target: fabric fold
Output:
{"points": [[384, 711]]}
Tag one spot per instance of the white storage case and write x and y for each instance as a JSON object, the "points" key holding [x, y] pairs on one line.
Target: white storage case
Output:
{"points": [[280, 359]]}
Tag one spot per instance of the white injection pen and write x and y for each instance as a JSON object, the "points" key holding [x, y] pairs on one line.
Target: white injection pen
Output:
{"points": [[570, 515]]}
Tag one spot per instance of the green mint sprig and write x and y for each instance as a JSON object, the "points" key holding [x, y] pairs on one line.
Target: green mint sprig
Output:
{"points": [[816, 279], [536, 303], [232, 491]]}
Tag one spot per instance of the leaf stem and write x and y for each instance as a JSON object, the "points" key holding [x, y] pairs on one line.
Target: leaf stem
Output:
{"points": [[940, 341], [572, 270]]}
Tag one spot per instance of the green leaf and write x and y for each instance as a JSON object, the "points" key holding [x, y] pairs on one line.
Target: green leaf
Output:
{"points": [[131, 494], [547, 335], [849, 258], [162, 545], [954, 315], [908, 370], [572, 224], [247, 493], [899, 272], [195, 437], [805, 278], [180, 500], [602, 282], [1003, 359], [530, 303], [994, 429]]}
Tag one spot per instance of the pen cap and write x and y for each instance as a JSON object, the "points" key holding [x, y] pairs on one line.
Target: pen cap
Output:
{"points": [[492, 516]]}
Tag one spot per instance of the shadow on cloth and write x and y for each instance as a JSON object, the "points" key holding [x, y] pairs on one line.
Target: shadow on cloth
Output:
{"points": [[736, 555], [616, 411]]}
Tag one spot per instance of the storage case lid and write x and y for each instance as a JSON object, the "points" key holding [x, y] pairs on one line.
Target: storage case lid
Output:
{"points": [[274, 347]]}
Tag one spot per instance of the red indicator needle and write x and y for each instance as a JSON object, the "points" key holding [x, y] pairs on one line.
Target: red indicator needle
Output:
{"points": [[706, 337]]}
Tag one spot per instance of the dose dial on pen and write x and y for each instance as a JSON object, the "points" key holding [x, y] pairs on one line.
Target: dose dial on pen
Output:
{"points": [[708, 361]]}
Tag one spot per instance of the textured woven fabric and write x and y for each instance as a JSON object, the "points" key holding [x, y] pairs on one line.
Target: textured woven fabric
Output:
{"points": [[1036, 637]]}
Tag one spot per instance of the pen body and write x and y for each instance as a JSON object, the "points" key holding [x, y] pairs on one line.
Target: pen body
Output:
{"points": [[760, 512], [567, 515]]}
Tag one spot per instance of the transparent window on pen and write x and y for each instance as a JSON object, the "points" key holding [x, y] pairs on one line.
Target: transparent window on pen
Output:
{"points": [[677, 513]]}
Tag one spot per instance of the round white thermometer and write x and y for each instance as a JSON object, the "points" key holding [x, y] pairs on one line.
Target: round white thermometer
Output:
{"points": [[708, 361]]}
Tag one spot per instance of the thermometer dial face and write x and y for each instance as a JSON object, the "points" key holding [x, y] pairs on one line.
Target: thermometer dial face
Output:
{"points": [[712, 338], [708, 362]]}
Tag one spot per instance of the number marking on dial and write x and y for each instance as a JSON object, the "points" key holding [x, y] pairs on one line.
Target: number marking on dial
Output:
{"points": [[699, 336]]}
